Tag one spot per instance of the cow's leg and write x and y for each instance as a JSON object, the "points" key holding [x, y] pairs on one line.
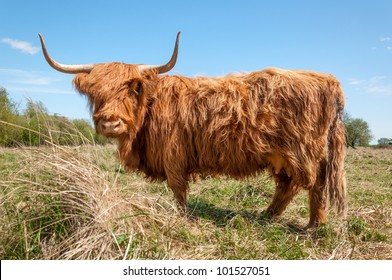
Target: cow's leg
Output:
{"points": [[318, 213], [179, 186], [318, 198], [284, 193]]}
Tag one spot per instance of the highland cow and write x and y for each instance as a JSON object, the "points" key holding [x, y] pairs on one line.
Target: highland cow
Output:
{"points": [[170, 127]]}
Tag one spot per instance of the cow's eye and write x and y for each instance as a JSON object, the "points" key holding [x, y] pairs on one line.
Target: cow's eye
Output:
{"points": [[135, 87]]}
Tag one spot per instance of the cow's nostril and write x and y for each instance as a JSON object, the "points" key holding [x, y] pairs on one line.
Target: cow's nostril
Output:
{"points": [[103, 126], [110, 126], [116, 124]]}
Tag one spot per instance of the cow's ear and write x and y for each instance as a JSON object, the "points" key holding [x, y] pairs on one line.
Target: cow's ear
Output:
{"points": [[135, 87]]}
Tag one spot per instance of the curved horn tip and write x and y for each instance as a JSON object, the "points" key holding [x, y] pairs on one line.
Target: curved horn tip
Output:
{"points": [[168, 66], [41, 39], [178, 37], [69, 69], [160, 69]]}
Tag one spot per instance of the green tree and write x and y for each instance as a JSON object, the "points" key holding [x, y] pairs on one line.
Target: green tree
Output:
{"points": [[357, 131], [384, 141], [84, 128], [10, 121]]}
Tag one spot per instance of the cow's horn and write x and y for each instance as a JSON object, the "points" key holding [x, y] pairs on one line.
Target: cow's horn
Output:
{"points": [[168, 66], [70, 69]]}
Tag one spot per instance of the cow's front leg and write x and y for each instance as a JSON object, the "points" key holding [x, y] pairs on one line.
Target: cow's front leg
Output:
{"points": [[179, 185], [284, 193]]}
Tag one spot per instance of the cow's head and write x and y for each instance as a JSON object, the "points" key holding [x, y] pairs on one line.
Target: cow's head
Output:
{"points": [[116, 91]]}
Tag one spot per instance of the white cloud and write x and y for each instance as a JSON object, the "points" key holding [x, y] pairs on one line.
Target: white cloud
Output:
{"points": [[23, 77], [354, 81], [23, 81], [39, 81], [380, 89], [385, 39], [373, 85], [24, 47], [40, 90], [376, 79]]}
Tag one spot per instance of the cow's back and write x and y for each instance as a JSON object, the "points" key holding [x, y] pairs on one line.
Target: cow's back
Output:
{"points": [[240, 124]]}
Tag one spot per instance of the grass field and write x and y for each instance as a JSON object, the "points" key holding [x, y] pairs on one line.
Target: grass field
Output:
{"points": [[78, 203]]}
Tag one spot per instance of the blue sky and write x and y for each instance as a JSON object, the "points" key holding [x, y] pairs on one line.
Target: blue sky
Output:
{"points": [[349, 39]]}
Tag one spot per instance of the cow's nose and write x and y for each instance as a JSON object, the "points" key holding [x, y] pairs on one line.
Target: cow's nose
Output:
{"points": [[110, 126]]}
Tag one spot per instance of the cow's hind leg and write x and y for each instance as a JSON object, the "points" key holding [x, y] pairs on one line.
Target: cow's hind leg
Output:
{"points": [[318, 198], [284, 193]]}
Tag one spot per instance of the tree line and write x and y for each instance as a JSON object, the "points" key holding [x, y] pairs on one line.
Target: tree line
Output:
{"points": [[35, 126]]}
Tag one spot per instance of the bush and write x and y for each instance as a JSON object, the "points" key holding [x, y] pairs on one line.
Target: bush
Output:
{"points": [[9, 135], [37, 127]]}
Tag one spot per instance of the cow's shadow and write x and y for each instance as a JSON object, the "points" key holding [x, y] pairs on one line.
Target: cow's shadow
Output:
{"points": [[222, 217], [219, 216]]}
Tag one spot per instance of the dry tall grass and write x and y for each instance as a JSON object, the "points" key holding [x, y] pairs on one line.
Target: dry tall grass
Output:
{"points": [[63, 202], [63, 190]]}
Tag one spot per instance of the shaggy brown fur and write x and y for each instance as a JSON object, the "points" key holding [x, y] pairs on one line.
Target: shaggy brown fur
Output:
{"points": [[170, 127]]}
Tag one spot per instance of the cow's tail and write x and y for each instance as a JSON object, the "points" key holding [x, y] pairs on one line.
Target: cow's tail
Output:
{"points": [[335, 174]]}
